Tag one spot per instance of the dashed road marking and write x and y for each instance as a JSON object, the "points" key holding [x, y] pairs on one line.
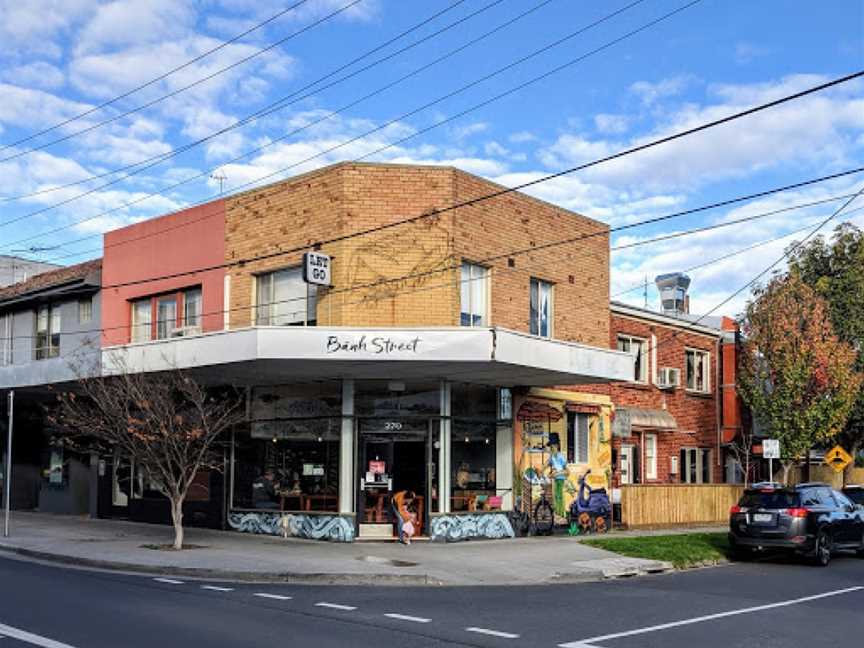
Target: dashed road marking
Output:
{"points": [[590, 641], [278, 597], [335, 606], [170, 581], [406, 617], [29, 637], [214, 588], [493, 633]]}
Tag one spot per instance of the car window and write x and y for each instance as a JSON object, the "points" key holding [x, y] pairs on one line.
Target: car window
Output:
{"points": [[842, 500], [769, 499], [856, 495], [826, 499], [810, 498]]}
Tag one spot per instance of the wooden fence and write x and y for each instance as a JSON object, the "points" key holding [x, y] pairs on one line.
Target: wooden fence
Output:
{"points": [[825, 474], [646, 505]]}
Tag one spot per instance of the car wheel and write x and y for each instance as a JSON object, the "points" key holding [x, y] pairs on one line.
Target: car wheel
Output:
{"points": [[822, 551], [742, 554], [860, 551]]}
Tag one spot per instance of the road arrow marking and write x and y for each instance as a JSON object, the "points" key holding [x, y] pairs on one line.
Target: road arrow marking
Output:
{"points": [[29, 637]]}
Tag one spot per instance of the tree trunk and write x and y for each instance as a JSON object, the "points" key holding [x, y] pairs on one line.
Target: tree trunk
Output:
{"points": [[177, 518], [787, 466]]}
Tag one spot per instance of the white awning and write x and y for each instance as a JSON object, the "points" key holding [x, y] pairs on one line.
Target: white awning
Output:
{"points": [[262, 355]]}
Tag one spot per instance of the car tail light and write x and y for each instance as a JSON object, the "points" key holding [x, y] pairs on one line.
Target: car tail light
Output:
{"points": [[797, 512], [735, 509]]}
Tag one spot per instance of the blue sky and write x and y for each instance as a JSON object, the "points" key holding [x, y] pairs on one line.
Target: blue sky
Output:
{"points": [[61, 57]]}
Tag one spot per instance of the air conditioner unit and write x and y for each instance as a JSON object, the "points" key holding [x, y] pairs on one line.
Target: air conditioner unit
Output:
{"points": [[669, 378], [183, 331]]}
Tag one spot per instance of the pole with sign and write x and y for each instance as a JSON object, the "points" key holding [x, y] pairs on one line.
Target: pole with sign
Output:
{"points": [[771, 451], [316, 270]]}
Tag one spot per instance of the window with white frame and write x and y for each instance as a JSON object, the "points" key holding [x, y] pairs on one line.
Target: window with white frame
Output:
{"points": [[650, 456], [638, 348], [695, 465], [578, 426], [5, 339], [142, 320], [46, 343], [166, 316], [474, 295], [697, 370], [192, 308], [281, 299], [541, 308], [85, 310]]}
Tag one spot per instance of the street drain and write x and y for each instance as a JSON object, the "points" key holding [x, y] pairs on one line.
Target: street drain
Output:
{"points": [[387, 561]]}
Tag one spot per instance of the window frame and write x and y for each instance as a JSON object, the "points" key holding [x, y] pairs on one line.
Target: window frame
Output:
{"points": [[51, 333], [483, 279], [310, 314], [6, 337], [699, 458], [85, 310], [643, 355], [152, 326], [650, 459], [575, 442], [706, 362], [535, 324]]}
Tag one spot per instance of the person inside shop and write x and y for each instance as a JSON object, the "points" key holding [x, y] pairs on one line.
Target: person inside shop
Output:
{"points": [[264, 491], [558, 469], [406, 518]]}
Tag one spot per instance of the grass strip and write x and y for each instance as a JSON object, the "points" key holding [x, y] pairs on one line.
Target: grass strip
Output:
{"points": [[684, 550]]}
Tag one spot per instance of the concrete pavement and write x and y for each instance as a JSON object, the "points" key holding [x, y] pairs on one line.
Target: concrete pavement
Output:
{"points": [[228, 555]]}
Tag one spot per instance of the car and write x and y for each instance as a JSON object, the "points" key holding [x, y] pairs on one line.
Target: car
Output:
{"points": [[811, 520], [855, 493]]}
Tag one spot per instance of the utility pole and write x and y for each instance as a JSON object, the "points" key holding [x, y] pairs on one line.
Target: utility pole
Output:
{"points": [[7, 489], [645, 292]]}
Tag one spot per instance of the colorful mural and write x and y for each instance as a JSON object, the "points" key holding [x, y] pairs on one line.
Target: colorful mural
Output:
{"points": [[293, 525], [454, 528]]}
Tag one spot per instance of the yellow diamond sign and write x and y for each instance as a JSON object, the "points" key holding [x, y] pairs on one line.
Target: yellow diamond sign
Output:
{"points": [[838, 458]]}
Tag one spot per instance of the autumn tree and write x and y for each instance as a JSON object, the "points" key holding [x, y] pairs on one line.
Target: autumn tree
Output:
{"points": [[796, 375], [166, 423], [835, 270]]}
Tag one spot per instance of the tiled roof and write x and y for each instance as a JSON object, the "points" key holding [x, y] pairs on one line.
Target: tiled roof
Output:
{"points": [[46, 280]]}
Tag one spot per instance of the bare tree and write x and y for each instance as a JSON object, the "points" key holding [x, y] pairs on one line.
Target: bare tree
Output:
{"points": [[742, 450], [166, 423]]}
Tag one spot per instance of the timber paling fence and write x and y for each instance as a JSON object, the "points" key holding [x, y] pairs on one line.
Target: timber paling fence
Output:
{"points": [[659, 505]]}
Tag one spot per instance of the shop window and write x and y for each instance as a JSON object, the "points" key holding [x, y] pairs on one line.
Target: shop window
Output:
{"points": [[695, 465], [541, 308], [284, 299], [650, 456], [392, 398], [472, 461], [5, 340], [47, 340], [85, 310], [141, 320], [638, 348], [697, 369], [577, 438], [474, 295]]}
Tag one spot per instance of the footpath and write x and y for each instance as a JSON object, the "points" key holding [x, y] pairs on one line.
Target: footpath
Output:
{"points": [[226, 555]]}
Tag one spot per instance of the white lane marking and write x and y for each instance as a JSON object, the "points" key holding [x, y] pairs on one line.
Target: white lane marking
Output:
{"points": [[170, 581], [588, 643], [406, 617], [335, 606], [278, 597], [214, 588], [29, 637], [493, 633]]}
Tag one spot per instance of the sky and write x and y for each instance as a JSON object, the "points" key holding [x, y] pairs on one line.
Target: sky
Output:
{"points": [[463, 92]]}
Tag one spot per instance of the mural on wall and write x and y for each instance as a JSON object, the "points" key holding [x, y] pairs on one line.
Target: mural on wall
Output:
{"points": [[334, 528], [542, 425], [404, 259], [454, 528]]}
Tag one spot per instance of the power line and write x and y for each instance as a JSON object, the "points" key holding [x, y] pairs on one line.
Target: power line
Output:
{"points": [[279, 104], [178, 91], [161, 77], [381, 127]]}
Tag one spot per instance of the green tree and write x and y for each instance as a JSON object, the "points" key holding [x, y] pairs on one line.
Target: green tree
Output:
{"points": [[835, 270], [796, 375]]}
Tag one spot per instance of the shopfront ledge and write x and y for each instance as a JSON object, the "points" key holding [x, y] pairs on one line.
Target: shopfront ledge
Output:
{"points": [[262, 355], [317, 525], [470, 525]]}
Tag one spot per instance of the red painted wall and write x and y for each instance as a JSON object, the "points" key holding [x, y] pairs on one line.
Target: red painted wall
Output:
{"points": [[177, 243]]}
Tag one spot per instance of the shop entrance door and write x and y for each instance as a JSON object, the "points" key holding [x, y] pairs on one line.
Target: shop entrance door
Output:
{"points": [[390, 462]]}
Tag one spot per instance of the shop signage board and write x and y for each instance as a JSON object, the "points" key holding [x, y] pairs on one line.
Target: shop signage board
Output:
{"points": [[838, 458], [771, 448], [316, 268]]}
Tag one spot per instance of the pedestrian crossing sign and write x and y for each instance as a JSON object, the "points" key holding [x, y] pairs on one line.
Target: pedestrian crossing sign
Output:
{"points": [[838, 458]]}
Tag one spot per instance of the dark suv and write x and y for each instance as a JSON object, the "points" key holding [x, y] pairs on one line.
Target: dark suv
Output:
{"points": [[855, 493], [812, 520]]}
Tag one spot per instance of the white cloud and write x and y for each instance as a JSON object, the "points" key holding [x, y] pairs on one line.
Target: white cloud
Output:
{"points": [[745, 53], [610, 124], [460, 133], [131, 22], [38, 74], [522, 137], [32, 109], [649, 92], [31, 27]]}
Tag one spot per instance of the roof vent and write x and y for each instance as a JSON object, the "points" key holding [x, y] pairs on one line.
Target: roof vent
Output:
{"points": [[673, 293]]}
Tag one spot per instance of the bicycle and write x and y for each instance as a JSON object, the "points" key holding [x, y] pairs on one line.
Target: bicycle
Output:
{"points": [[543, 520]]}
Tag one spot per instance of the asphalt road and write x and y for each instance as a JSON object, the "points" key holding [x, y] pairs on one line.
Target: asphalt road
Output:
{"points": [[762, 604]]}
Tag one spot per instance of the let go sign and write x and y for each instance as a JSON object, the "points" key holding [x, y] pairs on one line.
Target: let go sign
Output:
{"points": [[316, 268]]}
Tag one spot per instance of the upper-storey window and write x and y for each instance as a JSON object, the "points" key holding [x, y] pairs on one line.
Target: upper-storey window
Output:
{"points": [[192, 308], [541, 308], [5, 339], [141, 320], [163, 316], [166, 316], [697, 369], [46, 343], [473, 289], [85, 310], [638, 348], [281, 299]]}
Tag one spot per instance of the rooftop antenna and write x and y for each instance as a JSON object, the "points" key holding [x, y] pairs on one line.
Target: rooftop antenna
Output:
{"points": [[219, 175]]}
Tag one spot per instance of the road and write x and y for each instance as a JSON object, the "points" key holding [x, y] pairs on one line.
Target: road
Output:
{"points": [[763, 604]]}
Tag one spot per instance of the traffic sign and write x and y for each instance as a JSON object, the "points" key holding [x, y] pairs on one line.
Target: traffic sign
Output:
{"points": [[838, 458], [771, 448], [316, 268]]}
